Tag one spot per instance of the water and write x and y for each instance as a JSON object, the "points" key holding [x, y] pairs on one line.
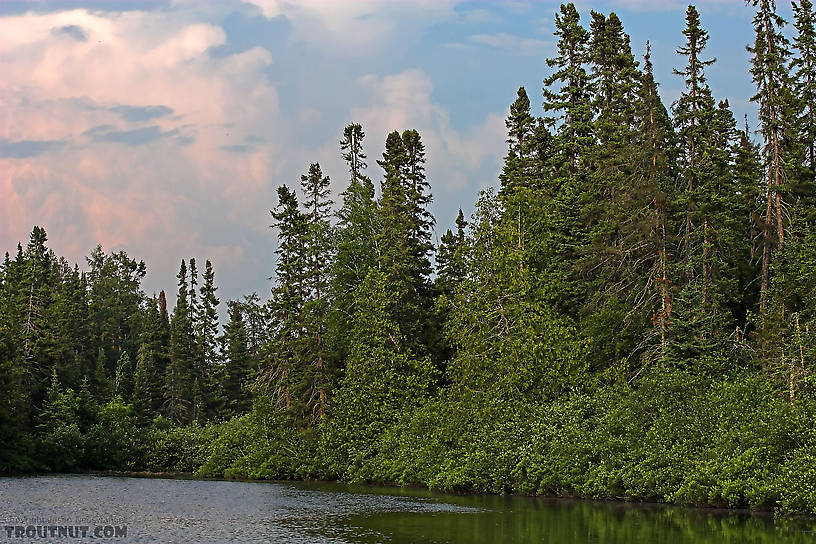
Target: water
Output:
{"points": [[214, 511]]}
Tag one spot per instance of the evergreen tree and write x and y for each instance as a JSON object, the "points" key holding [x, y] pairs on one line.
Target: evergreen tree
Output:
{"points": [[146, 386], [646, 236], [609, 211], [208, 336], [451, 271], [238, 363], [769, 69], [115, 300], [406, 232], [356, 240], [712, 235], [571, 103], [287, 374], [693, 113], [803, 67], [123, 380], [318, 258], [451, 258], [179, 376], [102, 384]]}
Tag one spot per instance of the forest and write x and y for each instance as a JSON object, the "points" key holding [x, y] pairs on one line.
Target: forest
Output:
{"points": [[629, 314]]}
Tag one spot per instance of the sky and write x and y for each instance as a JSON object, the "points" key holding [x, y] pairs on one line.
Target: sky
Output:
{"points": [[164, 127]]}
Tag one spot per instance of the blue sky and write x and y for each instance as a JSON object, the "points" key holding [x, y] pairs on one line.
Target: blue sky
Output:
{"points": [[163, 128]]}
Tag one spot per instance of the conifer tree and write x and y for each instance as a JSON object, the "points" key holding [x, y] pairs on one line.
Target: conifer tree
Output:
{"points": [[382, 381], [693, 113], [102, 384], [516, 178], [356, 239], [287, 374], [571, 103], [238, 362], [406, 230], [318, 258], [208, 336], [711, 232], [607, 208], [803, 67], [647, 237], [123, 379], [769, 69], [178, 380], [451, 258], [145, 387]]}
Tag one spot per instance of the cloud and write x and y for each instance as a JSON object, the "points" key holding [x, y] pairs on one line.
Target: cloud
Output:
{"points": [[73, 31], [27, 148], [119, 187], [237, 148], [178, 141], [354, 27], [141, 113], [138, 136], [502, 40]]}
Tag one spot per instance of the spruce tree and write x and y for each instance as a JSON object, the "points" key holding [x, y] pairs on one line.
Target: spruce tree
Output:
{"points": [[406, 233], [693, 114], [178, 380], [567, 92], [123, 378], [146, 387], [102, 384], [607, 207], [769, 69], [356, 240], [318, 260], [647, 239], [383, 380], [803, 67], [451, 258], [208, 336], [237, 364], [287, 375]]}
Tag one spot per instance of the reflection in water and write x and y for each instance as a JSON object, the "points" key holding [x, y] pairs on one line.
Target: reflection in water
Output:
{"points": [[213, 511]]}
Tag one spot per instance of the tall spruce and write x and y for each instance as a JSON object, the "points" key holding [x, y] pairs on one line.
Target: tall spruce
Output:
{"points": [[567, 92], [207, 334], [318, 255], [405, 238], [286, 377], [356, 240], [178, 380], [803, 67], [237, 363], [769, 69]]}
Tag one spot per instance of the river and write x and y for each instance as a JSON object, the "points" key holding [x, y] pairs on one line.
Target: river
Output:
{"points": [[164, 510]]}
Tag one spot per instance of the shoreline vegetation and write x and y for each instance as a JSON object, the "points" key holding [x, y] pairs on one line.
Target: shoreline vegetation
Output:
{"points": [[630, 315]]}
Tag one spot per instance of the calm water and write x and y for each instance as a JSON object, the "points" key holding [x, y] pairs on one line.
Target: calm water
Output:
{"points": [[195, 511]]}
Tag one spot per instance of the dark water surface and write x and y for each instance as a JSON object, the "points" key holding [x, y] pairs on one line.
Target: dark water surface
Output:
{"points": [[157, 510]]}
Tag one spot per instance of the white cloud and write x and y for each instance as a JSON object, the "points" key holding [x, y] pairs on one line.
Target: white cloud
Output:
{"points": [[354, 27], [161, 143], [157, 187], [502, 40]]}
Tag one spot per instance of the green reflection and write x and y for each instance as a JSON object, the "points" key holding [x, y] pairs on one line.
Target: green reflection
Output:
{"points": [[508, 519]]}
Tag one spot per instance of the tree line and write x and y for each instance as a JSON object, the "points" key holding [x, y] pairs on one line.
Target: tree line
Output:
{"points": [[629, 249]]}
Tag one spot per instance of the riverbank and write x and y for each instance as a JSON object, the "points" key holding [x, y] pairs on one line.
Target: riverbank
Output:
{"points": [[673, 439]]}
